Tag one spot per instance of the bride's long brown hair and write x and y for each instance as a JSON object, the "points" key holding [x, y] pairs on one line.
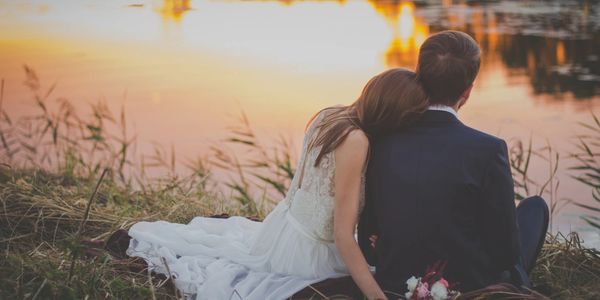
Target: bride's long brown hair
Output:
{"points": [[388, 102]]}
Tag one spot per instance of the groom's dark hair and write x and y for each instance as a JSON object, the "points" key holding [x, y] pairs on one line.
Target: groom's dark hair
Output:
{"points": [[448, 64]]}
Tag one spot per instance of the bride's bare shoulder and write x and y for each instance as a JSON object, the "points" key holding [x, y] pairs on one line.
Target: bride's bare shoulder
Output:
{"points": [[355, 143], [353, 150], [357, 138]]}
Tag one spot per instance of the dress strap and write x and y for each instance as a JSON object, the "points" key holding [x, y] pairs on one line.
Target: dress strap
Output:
{"points": [[303, 167], [308, 142]]}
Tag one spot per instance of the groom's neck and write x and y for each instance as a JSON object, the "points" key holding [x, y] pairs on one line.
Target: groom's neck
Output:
{"points": [[457, 106], [460, 104]]}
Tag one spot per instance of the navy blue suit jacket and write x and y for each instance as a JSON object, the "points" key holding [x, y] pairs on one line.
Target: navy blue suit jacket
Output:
{"points": [[439, 191]]}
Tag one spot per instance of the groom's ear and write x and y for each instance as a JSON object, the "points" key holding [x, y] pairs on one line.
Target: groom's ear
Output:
{"points": [[465, 96]]}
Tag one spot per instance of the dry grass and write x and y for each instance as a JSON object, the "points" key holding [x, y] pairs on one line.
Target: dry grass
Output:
{"points": [[39, 216], [568, 270], [39, 221]]}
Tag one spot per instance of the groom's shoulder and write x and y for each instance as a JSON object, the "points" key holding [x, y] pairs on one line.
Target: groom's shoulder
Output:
{"points": [[480, 137]]}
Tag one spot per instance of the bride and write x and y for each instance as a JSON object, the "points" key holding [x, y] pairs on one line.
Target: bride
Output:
{"points": [[310, 235]]}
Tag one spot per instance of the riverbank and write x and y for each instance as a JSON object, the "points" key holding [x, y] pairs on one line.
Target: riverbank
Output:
{"points": [[41, 214]]}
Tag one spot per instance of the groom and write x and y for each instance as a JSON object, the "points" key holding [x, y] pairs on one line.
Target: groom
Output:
{"points": [[441, 191]]}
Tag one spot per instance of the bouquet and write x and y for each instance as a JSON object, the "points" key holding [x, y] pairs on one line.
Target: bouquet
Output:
{"points": [[432, 286]]}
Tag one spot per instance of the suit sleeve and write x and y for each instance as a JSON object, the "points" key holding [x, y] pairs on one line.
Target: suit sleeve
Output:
{"points": [[366, 228], [499, 212]]}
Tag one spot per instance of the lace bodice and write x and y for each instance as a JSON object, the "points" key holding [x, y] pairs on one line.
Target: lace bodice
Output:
{"points": [[311, 205]]}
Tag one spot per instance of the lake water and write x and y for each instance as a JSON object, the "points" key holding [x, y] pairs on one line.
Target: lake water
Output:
{"points": [[184, 69]]}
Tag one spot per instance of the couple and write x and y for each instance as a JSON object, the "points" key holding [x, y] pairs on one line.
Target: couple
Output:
{"points": [[397, 164]]}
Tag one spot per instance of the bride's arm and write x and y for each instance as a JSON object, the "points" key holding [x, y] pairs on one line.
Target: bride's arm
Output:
{"points": [[350, 158]]}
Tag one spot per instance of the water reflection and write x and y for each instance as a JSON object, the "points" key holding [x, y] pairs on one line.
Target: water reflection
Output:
{"points": [[555, 66], [554, 44], [408, 32], [173, 10]]}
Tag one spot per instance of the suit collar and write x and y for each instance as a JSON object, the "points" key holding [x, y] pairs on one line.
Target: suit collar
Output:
{"points": [[445, 108], [439, 116]]}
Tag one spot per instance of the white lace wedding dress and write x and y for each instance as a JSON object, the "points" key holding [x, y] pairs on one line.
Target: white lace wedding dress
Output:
{"points": [[237, 258]]}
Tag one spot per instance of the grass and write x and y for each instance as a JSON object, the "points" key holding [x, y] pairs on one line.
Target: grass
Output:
{"points": [[567, 270], [40, 220], [40, 217], [51, 163]]}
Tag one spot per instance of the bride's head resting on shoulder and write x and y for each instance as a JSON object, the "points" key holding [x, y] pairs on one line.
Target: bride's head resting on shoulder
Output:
{"points": [[388, 102]]}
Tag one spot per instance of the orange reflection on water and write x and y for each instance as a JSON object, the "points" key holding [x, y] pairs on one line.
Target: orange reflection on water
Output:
{"points": [[409, 32], [174, 9], [560, 52], [492, 36]]}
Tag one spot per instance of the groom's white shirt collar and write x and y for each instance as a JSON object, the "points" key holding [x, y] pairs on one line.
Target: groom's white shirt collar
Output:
{"points": [[445, 108]]}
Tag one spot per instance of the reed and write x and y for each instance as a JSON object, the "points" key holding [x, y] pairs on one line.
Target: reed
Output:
{"points": [[588, 168], [261, 177]]}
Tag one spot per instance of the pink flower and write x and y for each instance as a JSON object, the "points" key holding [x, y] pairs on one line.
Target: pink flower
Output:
{"points": [[444, 282], [422, 291]]}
